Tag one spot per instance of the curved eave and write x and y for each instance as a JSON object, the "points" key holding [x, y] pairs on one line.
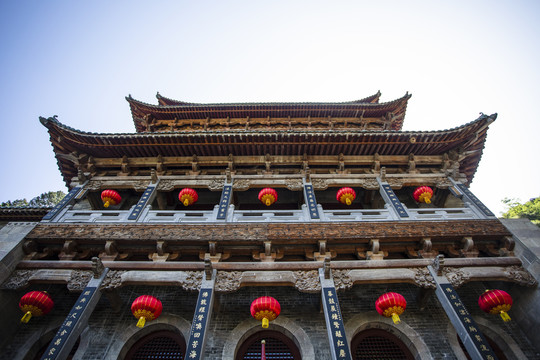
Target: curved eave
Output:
{"points": [[165, 101], [188, 111], [469, 139]]}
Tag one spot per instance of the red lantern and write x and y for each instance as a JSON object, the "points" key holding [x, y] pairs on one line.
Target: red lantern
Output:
{"points": [[346, 195], [496, 302], [265, 308], [35, 303], [146, 307], [110, 197], [268, 196], [423, 194], [391, 305], [188, 196]]}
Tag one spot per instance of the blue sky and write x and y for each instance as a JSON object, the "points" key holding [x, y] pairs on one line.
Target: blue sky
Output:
{"points": [[78, 60]]}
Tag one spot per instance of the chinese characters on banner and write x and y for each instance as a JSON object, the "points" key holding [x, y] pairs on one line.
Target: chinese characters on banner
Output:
{"points": [[396, 204], [311, 202], [335, 321], [469, 324], [69, 324], [224, 202], [198, 328], [142, 203], [475, 200]]}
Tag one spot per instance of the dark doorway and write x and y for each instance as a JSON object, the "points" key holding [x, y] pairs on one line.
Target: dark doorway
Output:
{"points": [[278, 347], [163, 345], [376, 344]]}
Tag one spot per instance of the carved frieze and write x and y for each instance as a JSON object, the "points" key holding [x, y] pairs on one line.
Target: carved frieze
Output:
{"points": [[18, 279], [165, 185], [342, 280], [294, 184], [319, 184], [519, 275], [94, 185], [423, 278], [228, 281], [395, 183], [307, 281], [240, 185], [140, 185], [370, 184], [193, 280], [456, 277], [112, 280], [216, 184], [78, 280]]}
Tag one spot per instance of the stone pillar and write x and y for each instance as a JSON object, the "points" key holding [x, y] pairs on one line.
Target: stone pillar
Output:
{"points": [[310, 201], [226, 195], [460, 190], [201, 317], [146, 198], [392, 201], [67, 200], [466, 328], [76, 321], [339, 347]]}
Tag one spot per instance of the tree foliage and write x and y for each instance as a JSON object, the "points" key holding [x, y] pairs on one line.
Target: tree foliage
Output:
{"points": [[47, 199], [529, 210]]}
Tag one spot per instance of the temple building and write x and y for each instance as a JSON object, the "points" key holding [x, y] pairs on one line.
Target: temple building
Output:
{"points": [[268, 231]]}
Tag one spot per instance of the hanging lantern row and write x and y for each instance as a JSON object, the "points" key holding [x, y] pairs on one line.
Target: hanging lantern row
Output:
{"points": [[496, 302], [35, 303], [110, 197], [266, 309], [346, 195], [423, 194], [391, 305], [268, 196], [146, 308], [188, 196]]}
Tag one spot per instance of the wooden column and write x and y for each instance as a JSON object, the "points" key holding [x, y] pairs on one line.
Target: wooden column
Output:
{"points": [[469, 333], [201, 317], [339, 348], [392, 200], [76, 321]]}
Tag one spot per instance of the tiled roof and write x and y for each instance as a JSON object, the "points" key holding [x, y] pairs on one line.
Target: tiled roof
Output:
{"points": [[468, 138]]}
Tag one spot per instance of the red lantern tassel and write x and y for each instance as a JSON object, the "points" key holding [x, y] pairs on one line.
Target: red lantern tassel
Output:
{"points": [[141, 322], [26, 317], [263, 350], [505, 316], [395, 318]]}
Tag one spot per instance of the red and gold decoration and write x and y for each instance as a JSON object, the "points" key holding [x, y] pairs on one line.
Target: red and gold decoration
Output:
{"points": [[146, 307], [496, 302], [423, 194], [35, 303], [346, 195], [268, 196], [110, 197], [188, 196], [391, 305], [263, 350], [265, 308]]}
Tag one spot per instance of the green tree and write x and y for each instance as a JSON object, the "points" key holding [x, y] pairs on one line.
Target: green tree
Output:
{"points": [[15, 203], [48, 199], [529, 210]]}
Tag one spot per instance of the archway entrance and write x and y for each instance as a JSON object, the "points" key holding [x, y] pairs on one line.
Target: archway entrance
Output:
{"points": [[163, 345], [278, 347], [377, 344]]}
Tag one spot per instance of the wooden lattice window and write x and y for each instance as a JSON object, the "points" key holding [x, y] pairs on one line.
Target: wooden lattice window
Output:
{"points": [[278, 347], [376, 344], [162, 345]]}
